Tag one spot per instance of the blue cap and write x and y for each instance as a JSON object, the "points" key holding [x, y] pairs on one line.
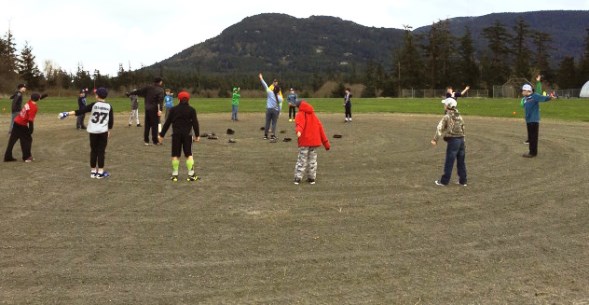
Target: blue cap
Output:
{"points": [[102, 92]]}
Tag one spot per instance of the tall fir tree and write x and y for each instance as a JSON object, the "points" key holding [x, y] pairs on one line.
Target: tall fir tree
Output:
{"points": [[27, 68], [8, 62], [409, 63], [567, 73], [520, 48], [496, 70], [468, 70], [584, 69], [541, 53], [438, 51]]}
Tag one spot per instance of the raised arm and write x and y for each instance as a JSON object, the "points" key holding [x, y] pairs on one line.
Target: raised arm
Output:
{"points": [[263, 82]]}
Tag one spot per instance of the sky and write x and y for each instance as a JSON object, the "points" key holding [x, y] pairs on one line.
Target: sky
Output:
{"points": [[102, 34]]}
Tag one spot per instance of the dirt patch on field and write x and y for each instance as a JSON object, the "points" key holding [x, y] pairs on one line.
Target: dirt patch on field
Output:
{"points": [[373, 230]]}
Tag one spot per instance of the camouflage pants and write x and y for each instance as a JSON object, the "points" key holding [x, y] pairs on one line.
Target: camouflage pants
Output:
{"points": [[306, 162]]}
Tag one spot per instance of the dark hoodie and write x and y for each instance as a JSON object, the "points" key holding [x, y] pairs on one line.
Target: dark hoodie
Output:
{"points": [[154, 97], [312, 133]]}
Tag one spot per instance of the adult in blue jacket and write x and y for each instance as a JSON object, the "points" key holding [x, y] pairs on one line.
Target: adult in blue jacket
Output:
{"points": [[531, 103]]}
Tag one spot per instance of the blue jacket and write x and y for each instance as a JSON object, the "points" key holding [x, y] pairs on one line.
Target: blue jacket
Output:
{"points": [[532, 107], [272, 102]]}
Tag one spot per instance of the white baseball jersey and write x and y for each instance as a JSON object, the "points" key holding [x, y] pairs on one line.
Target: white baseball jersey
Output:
{"points": [[100, 117]]}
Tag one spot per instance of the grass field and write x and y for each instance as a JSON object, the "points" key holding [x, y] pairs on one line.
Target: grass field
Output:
{"points": [[562, 109], [373, 230]]}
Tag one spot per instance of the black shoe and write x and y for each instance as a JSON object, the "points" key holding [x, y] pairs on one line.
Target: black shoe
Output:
{"points": [[9, 159], [193, 178], [528, 156], [138, 125], [311, 181]]}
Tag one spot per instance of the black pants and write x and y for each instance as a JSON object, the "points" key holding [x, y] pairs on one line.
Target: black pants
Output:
{"points": [[80, 121], [292, 112], [349, 111], [533, 131], [151, 122], [181, 142], [98, 143], [23, 134]]}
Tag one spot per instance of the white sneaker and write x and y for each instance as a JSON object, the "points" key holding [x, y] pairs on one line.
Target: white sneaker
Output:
{"points": [[438, 183]]}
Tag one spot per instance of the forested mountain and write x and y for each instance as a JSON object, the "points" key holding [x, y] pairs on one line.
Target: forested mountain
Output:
{"points": [[285, 44], [309, 51], [566, 29], [282, 43]]}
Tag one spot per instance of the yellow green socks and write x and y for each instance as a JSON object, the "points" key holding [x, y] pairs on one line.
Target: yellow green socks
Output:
{"points": [[190, 166], [175, 165]]}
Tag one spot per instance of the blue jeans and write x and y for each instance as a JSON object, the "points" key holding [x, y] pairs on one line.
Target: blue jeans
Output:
{"points": [[234, 112], [456, 150]]}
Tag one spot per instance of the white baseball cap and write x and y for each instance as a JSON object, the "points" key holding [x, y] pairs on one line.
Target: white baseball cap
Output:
{"points": [[527, 87], [450, 102]]}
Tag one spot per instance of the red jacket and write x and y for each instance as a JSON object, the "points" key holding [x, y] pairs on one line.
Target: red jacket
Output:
{"points": [[307, 123], [27, 114]]}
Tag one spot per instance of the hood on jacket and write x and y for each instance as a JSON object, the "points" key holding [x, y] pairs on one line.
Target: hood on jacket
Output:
{"points": [[306, 107]]}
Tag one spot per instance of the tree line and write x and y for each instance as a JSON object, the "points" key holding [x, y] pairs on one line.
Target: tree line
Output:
{"points": [[437, 59], [431, 60]]}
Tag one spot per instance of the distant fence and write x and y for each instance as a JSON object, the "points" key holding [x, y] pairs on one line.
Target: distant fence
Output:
{"points": [[568, 93], [439, 93], [508, 91]]}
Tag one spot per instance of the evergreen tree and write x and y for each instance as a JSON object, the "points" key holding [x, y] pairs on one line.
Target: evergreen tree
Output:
{"points": [[584, 69], [496, 69], [521, 50], [567, 74], [541, 42], [438, 51], [339, 91], [370, 80], [8, 62], [468, 70], [317, 81], [82, 78], [409, 63], [27, 68]]}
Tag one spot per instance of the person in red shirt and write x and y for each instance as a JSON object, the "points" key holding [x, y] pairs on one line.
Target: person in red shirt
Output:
{"points": [[310, 135], [23, 130]]}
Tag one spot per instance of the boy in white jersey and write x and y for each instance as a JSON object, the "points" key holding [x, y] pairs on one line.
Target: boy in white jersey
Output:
{"points": [[99, 125]]}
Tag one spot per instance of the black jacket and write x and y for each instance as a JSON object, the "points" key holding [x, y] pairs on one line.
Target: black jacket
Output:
{"points": [[183, 117], [154, 96], [17, 102]]}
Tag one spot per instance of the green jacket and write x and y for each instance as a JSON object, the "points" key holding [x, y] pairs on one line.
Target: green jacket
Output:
{"points": [[235, 98]]}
